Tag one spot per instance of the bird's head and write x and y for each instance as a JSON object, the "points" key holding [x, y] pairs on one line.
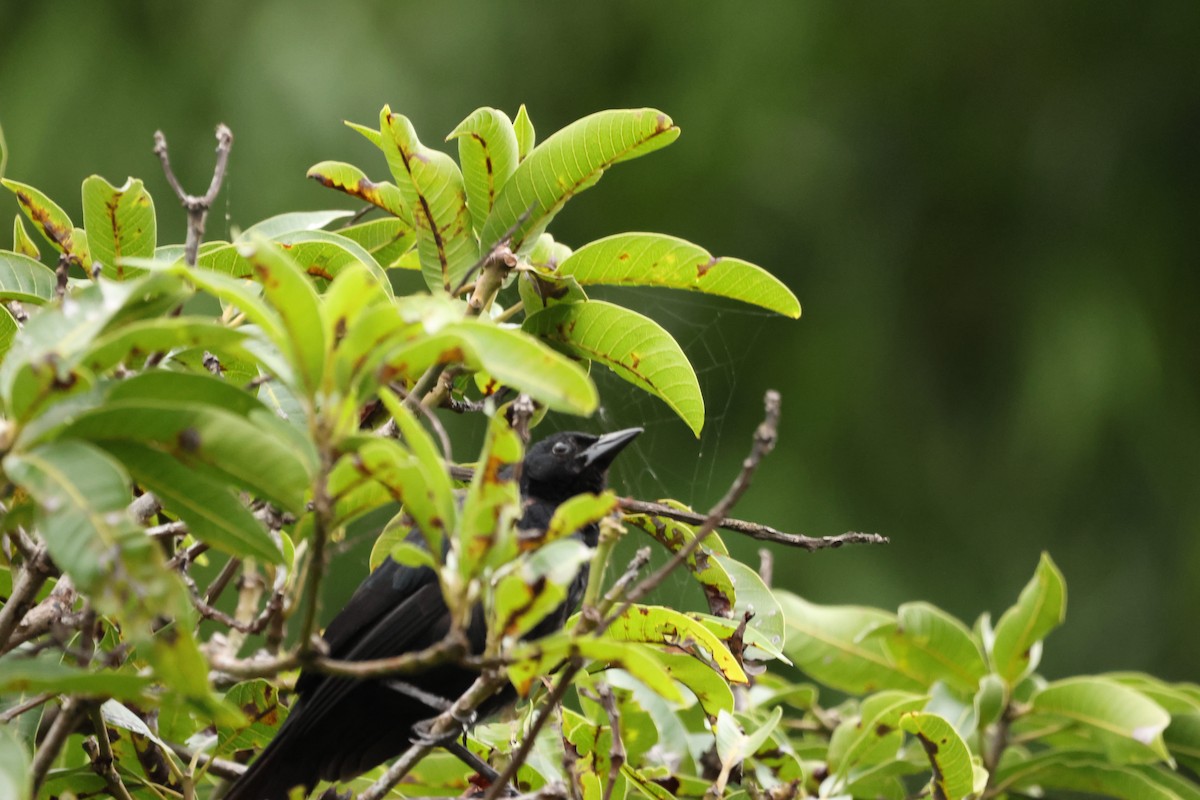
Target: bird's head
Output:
{"points": [[568, 463]]}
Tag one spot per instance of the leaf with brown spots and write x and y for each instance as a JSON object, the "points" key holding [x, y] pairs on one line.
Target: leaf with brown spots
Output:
{"points": [[385, 239], [487, 151], [532, 586], [22, 243], [486, 534], [653, 259], [528, 660], [714, 580], [353, 181], [120, 223], [433, 190], [567, 163], [665, 626], [954, 774], [48, 216], [631, 345]]}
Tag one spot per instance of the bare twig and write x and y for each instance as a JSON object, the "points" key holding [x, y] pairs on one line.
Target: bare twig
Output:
{"points": [[56, 608], [442, 726], [322, 511], [196, 207], [766, 565], [100, 753], [12, 713], [764, 442], [62, 272], [617, 751], [214, 590], [24, 590], [228, 770], [551, 703], [72, 711], [144, 508]]}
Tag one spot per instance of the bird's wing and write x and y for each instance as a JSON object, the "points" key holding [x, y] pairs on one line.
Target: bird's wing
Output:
{"points": [[384, 590]]}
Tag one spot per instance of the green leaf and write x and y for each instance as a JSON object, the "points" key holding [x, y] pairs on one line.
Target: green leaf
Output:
{"points": [[832, 645], [929, 643], [245, 297], [436, 477], [511, 357], [293, 222], [1040, 609], [47, 217], [753, 596], [22, 244], [82, 497], [492, 504], [571, 515], [523, 128], [212, 513], [407, 482], [259, 702], [531, 659], [1092, 774], [652, 259], [47, 673], [533, 586], [665, 626], [166, 334], [875, 735], [120, 223], [1126, 723], [350, 179], [487, 150], [385, 239], [8, 330], [713, 579], [734, 746], [433, 190], [703, 680], [567, 163], [953, 772], [14, 758], [634, 347], [212, 441]]}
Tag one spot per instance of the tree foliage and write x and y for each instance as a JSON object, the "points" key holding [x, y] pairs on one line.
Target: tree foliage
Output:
{"points": [[247, 408]]}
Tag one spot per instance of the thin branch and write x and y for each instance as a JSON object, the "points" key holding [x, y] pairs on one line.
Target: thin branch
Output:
{"points": [[73, 709], [765, 436], [443, 725], [449, 649], [322, 511], [617, 750], [196, 207], [24, 590], [556, 696], [228, 770], [56, 608], [12, 713], [100, 753]]}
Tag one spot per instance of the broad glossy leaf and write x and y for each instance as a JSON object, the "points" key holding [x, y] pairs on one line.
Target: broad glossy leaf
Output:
{"points": [[833, 646], [212, 441], [1126, 723], [634, 347], [653, 259], [48, 674], [523, 128], [531, 659], [753, 596], [385, 239], [293, 222], [82, 497], [713, 579], [402, 474], [432, 188], [511, 357], [436, 477], [23, 245], [120, 223], [492, 505], [954, 774], [354, 182], [487, 150], [211, 511], [14, 758], [567, 163], [47, 216], [246, 297], [24, 279], [295, 300], [1040, 609], [875, 735], [139, 340], [1183, 738], [1177, 698], [528, 589], [665, 626], [1092, 774], [703, 680], [927, 642]]}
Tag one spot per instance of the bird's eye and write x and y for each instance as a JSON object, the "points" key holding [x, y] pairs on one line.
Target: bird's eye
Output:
{"points": [[560, 448]]}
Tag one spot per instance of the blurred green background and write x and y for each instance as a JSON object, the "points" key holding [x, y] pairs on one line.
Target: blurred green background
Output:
{"points": [[988, 211]]}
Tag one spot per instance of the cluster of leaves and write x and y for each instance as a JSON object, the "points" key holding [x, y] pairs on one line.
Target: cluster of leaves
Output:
{"points": [[278, 390]]}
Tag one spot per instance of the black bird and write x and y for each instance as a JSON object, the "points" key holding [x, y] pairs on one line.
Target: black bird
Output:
{"points": [[341, 727]]}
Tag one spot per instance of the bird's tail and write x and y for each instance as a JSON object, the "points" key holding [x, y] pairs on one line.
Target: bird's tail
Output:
{"points": [[273, 775]]}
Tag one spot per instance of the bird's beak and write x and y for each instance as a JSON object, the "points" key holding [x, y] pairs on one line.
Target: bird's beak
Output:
{"points": [[602, 451]]}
